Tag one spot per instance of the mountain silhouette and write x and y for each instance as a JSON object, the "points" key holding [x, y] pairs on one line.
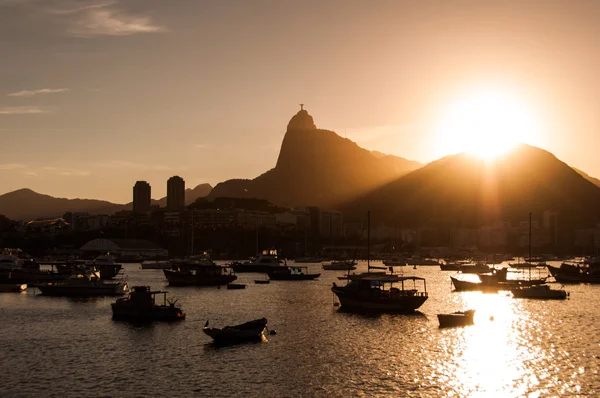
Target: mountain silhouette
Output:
{"points": [[588, 177], [317, 167], [25, 204], [464, 190]]}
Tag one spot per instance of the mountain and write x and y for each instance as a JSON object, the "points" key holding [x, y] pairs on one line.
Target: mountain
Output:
{"points": [[191, 195], [463, 190], [588, 177], [319, 168], [25, 204]]}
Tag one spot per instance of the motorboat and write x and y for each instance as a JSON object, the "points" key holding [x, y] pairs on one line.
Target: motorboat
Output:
{"points": [[140, 305], [15, 271], [106, 265], [494, 281], [453, 266], [12, 287], [201, 275], [418, 260], [264, 263], [311, 260], [84, 282], [245, 332], [458, 318], [475, 268], [291, 274], [262, 281], [340, 265], [541, 292]]}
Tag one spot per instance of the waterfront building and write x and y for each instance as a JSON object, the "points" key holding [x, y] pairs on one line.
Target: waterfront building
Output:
{"points": [[175, 194], [141, 197]]}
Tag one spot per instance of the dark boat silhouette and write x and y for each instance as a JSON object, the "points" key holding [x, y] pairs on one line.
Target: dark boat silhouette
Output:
{"points": [[201, 275], [245, 332], [291, 274], [458, 318], [140, 305]]}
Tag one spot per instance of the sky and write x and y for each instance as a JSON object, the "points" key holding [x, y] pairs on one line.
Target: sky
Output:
{"points": [[95, 95]]}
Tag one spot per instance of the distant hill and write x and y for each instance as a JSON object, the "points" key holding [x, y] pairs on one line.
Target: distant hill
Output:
{"points": [[317, 167], [588, 177], [462, 190], [25, 204]]}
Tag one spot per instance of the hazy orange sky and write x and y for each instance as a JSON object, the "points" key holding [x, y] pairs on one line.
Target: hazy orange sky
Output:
{"points": [[95, 95]]}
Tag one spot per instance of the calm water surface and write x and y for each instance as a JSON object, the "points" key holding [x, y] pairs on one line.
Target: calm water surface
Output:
{"points": [[64, 347]]}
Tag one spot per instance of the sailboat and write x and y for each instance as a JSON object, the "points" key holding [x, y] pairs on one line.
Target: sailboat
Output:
{"points": [[378, 291]]}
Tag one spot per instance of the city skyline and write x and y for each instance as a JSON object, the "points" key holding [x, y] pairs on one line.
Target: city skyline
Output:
{"points": [[135, 90]]}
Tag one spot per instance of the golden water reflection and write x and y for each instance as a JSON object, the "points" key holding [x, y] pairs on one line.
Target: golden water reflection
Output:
{"points": [[498, 356]]}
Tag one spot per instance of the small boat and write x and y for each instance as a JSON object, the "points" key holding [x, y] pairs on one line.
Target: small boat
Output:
{"points": [[245, 332], [312, 260], [262, 281], [12, 287], [395, 262], [340, 265], [141, 305], [541, 292], [476, 268], [291, 274], [234, 286], [458, 318], [575, 273], [266, 262]]}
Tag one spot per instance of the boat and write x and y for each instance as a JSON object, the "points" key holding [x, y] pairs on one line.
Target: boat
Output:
{"points": [[377, 291], [575, 273], [83, 282], [395, 262], [541, 292], [105, 265], [458, 318], [140, 305], [418, 260], [234, 286], [262, 281], [16, 271], [12, 287], [245, 332], [264, 263], [159, 264], [311, 260], [474, 268], [340, 265], [291, 274], [201, 275]]}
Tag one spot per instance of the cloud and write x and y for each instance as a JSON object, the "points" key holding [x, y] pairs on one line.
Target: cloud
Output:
{"points": [[30, 174], [66, 171], [21, 110], [106, 19], [31, 93], [11, 166]]}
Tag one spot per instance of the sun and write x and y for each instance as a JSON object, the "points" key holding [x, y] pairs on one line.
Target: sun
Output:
{"points": [[487, 123]]}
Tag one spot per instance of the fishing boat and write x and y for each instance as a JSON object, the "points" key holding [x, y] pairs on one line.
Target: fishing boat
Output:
{"points": [[84, 282], [201, 275], [458, 318], [492, 282], [12, 287], [474, 268], [140, 305], [291, 274], [379, 291], [245, 332], [540, 292], [340, 265]]}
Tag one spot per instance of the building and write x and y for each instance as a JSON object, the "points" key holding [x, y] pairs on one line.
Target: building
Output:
{"points": [[141, 197], [175, 194]]}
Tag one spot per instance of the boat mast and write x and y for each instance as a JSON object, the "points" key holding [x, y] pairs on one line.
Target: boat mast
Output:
{"points": [[529, 246], [369, 241], [193, 228]]}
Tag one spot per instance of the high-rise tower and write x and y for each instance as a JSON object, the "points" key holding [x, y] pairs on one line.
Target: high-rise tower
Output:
{"points": [[141, 197], [175, 194]]}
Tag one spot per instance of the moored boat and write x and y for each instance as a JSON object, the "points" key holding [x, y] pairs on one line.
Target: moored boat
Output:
{"points": [[245, 332], [264, 263], [540, 292], [160, 264], [234, 286], [291, 274], [140, 305], [83, 282], [202, 275], [575, 273], [458, 318], [340, 265]]}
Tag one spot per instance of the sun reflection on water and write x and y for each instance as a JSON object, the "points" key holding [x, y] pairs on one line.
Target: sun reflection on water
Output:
{"points": [[493, 357]]}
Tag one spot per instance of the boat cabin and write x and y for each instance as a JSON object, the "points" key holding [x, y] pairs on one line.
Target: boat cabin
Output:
{"points": [[386, 284]]}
